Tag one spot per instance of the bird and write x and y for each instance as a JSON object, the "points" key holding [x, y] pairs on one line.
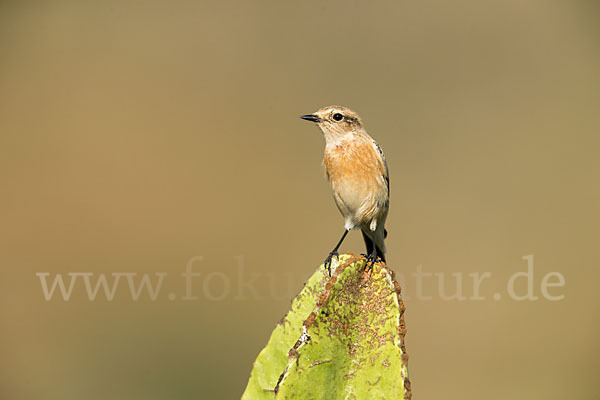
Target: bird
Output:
{"points": [[356, 167]]}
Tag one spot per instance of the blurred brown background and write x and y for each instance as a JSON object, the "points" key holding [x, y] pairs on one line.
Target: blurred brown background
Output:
{"points": [[137, 135]]}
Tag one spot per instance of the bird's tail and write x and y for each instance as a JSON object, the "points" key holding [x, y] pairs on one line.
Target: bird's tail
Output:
{"points": [[379, 242]]}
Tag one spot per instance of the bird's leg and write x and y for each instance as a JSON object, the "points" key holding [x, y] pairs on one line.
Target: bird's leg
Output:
{"points": [[334, 253], [368, 243], [372, 257]]}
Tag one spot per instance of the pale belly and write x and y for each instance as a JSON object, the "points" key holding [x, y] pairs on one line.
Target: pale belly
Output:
{"points": [[359, 199]]}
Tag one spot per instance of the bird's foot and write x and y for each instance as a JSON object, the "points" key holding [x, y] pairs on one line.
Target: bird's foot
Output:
{"points": [[329, 259], [371, 260]]}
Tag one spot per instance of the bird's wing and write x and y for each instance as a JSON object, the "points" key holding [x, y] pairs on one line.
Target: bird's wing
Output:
{"points": [[385, 174]]}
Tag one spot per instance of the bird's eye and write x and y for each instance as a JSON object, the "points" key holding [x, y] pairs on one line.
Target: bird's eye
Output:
{"points": [[338, 117]]}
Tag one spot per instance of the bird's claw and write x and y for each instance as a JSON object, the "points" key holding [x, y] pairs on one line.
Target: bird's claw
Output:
{"points": [[328, 260], [371, 260]]}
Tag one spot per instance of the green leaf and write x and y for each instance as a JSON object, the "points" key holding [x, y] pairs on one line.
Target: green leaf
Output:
{"points": [[342, 339]]}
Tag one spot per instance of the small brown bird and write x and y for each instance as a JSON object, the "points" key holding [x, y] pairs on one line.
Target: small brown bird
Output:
{"points": [[355, 165]]}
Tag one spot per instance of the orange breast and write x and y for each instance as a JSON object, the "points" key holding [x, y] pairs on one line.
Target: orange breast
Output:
{"points": [[356, 173], [354, 163]]}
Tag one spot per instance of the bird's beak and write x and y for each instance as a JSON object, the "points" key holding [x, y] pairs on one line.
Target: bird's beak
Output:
{"points": [[311, 117]]}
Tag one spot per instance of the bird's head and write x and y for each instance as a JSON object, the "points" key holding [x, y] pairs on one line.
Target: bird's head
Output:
{"points": [[335, 121]]}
